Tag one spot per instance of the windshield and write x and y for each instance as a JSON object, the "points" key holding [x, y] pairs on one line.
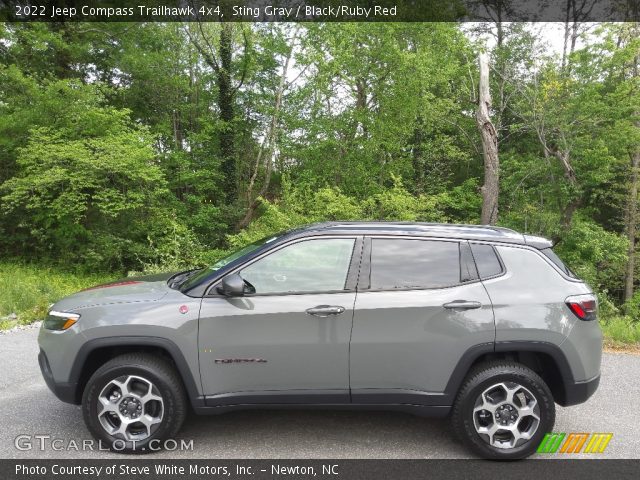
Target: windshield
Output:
{"points": [[205, 272]]}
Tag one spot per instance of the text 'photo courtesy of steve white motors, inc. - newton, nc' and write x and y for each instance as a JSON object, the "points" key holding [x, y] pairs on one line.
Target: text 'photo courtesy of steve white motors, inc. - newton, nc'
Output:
{"points": [[229, 12], [172, 470]]}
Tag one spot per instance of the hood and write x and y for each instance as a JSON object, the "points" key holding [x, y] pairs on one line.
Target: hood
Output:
{"points": [[136, 289]]}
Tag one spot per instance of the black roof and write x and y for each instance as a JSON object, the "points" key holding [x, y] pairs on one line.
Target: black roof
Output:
{"points": [[487, 233]]}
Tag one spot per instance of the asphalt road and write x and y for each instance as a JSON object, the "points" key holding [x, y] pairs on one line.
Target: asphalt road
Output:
{"points": [[28, 408]]}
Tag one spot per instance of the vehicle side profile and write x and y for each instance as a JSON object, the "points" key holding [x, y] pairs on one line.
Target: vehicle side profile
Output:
{"points": [[479, 323]]}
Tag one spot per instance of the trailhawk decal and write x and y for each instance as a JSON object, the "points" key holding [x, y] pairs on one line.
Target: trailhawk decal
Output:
{"points": [[239, 360], [227, 361]]}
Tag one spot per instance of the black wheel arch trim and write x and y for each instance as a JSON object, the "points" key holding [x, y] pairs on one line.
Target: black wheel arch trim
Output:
{"points": [[169, 346], [462, 369], [572, 392]]}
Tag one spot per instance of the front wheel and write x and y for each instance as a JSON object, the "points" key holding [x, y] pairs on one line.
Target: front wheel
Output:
{"points": [[133, 403], [503, 411]]}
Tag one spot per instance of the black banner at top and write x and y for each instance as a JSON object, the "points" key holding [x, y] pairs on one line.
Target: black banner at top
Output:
{"points": [[320, 10]]}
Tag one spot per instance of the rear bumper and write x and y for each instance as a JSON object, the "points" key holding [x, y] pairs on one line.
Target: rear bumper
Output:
{"points": [[64, 391], [579, 392]]}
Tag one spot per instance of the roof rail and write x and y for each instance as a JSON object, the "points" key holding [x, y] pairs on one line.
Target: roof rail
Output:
{"points": [[334, 223]]}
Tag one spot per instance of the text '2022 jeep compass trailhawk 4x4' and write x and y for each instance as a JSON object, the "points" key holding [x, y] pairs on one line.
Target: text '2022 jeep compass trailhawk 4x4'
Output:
{"points": [[480, 323]]}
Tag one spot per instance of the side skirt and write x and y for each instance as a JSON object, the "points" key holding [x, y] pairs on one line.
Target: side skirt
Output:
{"points": [[419, 410], [409, 401]]}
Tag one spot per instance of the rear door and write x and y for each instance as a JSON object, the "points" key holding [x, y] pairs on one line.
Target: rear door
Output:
{"points": [[420, 307]]}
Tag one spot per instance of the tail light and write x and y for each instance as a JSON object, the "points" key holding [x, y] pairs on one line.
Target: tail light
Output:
{"points": [[585, 307]]}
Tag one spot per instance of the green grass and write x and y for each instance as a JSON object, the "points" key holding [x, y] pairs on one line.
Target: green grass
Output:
{"points": [[621, 330], [28, 290]]}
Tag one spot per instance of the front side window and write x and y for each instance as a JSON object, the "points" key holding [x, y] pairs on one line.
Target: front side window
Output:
{"points": [[309, 266], [407, 263], [197, 277]]}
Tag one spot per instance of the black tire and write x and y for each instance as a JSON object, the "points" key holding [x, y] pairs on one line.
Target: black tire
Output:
{"points": [[162, 375], [483, 377]]}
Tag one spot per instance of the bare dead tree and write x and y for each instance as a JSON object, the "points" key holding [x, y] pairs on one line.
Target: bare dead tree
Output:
{"points": [[491, 188], [632, 196], [632, 215]]}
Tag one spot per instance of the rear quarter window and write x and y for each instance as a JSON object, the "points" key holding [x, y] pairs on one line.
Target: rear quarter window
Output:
{"points": [[551, 255], [487, 260]]}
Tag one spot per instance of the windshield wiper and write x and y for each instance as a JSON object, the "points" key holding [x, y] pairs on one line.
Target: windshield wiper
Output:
{"points": [[179, 278]]}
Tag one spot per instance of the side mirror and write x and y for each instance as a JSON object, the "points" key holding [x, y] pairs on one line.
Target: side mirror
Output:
{"points": [[232, 286]]}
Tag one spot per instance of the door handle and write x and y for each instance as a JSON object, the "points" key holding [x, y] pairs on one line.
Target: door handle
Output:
{"points": [[462, 305], [325, 310]]}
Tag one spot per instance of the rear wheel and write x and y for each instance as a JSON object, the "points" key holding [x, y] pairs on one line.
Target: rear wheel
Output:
{"points": [[503, 411], [134, 402]]}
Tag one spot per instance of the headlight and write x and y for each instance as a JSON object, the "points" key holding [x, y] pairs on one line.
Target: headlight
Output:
{"points": [[60, 320]]}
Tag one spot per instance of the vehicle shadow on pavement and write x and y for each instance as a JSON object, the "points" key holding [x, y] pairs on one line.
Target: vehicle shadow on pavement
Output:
{"points": [[320, 434]]}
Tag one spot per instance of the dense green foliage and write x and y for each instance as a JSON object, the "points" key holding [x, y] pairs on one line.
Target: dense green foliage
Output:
{"points": [[141, 147]]}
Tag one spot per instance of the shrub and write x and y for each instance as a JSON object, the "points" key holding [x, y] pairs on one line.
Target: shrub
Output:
{"points": [[632, 307], [596, 255], [90, 192]]}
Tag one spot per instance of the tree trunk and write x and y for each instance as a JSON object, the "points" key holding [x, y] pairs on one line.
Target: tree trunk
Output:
{"points": [[632, 207], [567, 29], [225, 104], [418, 155], [266, 148], [632, 211], [500, 68], [490, 189], [62, 58], [564, 157]]}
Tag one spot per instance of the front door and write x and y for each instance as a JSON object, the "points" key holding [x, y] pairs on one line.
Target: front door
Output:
{"points": [[420, 307], [289, 341]]}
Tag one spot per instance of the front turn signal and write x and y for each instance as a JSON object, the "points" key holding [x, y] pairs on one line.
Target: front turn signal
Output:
{"points": [[60, 320]]}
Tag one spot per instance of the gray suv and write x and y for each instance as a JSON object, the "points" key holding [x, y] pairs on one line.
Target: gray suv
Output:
{"points": [[480, 323]]}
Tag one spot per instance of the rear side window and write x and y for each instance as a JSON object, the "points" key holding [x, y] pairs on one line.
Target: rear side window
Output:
{"points": [[551, 255], [407, 263], [487, 260]]}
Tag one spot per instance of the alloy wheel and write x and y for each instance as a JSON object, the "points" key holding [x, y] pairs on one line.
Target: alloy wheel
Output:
{"points": [[130, 407], [506, 415]]}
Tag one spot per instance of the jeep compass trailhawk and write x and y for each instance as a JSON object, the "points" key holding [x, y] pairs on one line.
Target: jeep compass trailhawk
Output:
{"points": [[481, 323]]}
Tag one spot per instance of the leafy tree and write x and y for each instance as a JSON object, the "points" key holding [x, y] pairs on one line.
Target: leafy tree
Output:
{"points": [[89, 187]]}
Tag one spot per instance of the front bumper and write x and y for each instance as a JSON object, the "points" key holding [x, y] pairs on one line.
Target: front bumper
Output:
{"points": [[64, 391]]}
